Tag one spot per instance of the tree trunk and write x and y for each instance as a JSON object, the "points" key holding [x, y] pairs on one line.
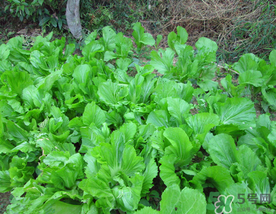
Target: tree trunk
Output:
{"points": [[73, 17]]}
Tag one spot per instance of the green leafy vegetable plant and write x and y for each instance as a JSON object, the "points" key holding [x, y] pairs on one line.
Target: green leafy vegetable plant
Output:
{"points": [[79, 134]]}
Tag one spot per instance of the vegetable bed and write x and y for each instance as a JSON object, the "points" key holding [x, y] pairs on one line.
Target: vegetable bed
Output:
{"points": [[78, 134]]}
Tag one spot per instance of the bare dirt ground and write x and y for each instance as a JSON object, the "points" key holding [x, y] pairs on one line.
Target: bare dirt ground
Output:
{"points": [[4, 201]]}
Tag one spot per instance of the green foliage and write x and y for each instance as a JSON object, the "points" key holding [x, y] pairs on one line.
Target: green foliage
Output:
{"points": [[48, 13], [140, 38], [78, 134], [96, 14]]}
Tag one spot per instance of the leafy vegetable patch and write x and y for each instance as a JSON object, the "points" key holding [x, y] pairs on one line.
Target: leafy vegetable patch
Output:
{"points": [[80, 135]]}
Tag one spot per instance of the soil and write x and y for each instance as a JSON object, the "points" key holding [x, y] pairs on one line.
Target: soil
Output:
{"points": [[4, 201]]}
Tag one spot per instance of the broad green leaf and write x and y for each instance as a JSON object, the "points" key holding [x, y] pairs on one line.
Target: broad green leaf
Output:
{"points": [[117, 148], [180, 146], [114, 118], [91, 137], [52, 62], [123, 64], [163, 60], [5, 183], [147, 210], [117, 163], [123, 45], [92, 167], [17, 80], [16, 131], [147, 39], [135, 90], [241, 203], [158, 118], [272, 57], [4, 52], [178, 154], [201, 124], [20, 172], [174, 200], [111, 93], [117, 155], [248, 161], [108, 55], [185, 53], [222, 150], [272, 135], [6, 147], [5, 65], [180, 38], [16, 105], [234, 91], [15, 42], [172, 38], [167, 170], [76, 103], [90, 50], [149, 174], [32, 98], [217, 175], [251, 77], [47, 83], [19, 55], [83, 81], [186, 91], [206, 54], [270, 96], [38, 61], [207, 44], [157, 141], [188, 201], [81, 74], [46, 145], [168, 88], [259, 182], [61, 169], [140, 37], [62, 207], [208, 85], [70, 48], [146, 131], [109, 38], [147, 89], [93, 114], [182, 35], [99, 188], [127, 198], [237, 111], [178, 108], [129, 130], [24, 147], [247, 62], [158, 40], [257, 138]]}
